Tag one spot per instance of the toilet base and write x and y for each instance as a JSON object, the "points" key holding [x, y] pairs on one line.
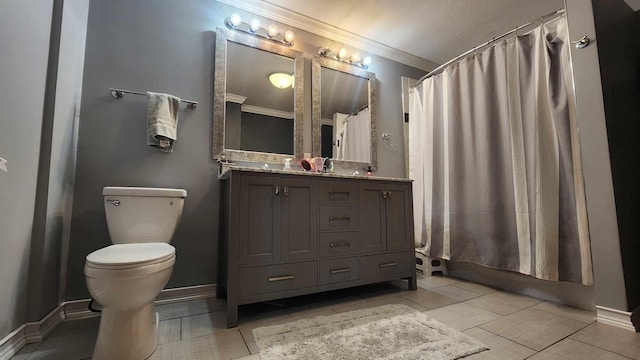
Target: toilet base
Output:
{"points": [[127, 334]]}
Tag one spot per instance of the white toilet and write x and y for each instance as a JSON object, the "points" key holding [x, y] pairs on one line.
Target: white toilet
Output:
{"points": [[126, 277]]}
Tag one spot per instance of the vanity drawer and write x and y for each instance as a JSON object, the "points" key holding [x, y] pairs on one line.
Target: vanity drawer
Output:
{"points": [[338, 218], [337, 193], [385, 264], [338, 270], [274, 278], [338, 243]]}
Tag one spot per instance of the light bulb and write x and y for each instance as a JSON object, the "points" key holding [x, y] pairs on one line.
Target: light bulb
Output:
{"points": [[288, 36], [255, 24], [366, 61], [342, 53], [355, 58], [235, 20], [273, 30]]}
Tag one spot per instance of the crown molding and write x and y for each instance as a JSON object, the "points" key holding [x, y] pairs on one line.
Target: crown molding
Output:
{"points": [[267, 112], [302, 22], [238, 99]]}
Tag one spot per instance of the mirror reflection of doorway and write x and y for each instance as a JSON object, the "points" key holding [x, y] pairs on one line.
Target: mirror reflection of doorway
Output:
{"points": [[326, 132]]}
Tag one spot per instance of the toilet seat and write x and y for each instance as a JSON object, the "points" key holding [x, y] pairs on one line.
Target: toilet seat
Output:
{"points": [[130, 256]]}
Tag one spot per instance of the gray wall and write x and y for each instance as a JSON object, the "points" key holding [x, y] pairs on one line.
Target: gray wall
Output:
{"points": [[617, 32], [594, 145], [23, 68], [168, 45], [232, 126], [52, 217]]}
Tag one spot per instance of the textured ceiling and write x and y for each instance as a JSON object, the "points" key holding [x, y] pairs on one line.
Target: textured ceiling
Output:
{"points": [[436, 30], [634, 4]]}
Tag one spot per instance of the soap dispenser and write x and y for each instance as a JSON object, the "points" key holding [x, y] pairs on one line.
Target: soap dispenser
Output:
{"points": [[369, 170]]}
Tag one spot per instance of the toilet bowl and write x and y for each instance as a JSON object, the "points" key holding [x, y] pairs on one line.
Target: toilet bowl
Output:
{"points": [[126, 277]]}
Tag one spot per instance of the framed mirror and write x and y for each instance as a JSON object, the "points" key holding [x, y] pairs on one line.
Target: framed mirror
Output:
{"points": [[257, 116], [344, 113]]}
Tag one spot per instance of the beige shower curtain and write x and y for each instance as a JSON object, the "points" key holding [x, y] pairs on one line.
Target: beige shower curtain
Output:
{"points": [[493, 151]]}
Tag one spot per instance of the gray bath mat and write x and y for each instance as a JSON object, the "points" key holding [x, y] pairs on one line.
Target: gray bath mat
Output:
{"points": [[386, 332]]}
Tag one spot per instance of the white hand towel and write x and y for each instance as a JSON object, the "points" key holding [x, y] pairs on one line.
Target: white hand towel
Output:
{"points": [[162, 120]]}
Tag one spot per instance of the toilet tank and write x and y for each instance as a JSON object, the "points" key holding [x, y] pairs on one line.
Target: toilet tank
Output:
{"points": [[142, 215]]}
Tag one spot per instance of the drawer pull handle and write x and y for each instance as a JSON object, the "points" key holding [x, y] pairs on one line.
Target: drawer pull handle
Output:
{"points": [[280, 278], [331, 192], [388, 264], [339, 218], [340, 244], [339, 271]]}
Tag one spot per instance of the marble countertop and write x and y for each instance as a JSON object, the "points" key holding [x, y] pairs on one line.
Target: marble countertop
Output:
{"points": [[228, 168]]}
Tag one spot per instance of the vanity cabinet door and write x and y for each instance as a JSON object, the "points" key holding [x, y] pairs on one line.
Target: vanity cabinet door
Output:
{"points": [[399, 218], [299, 220], [373, 224], [259, 219], [386, 221]]}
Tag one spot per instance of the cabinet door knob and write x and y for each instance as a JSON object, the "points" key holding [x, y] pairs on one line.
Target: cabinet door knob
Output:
{"points": [[285, 191], [384, 194], [277, 190], [388, 194]]}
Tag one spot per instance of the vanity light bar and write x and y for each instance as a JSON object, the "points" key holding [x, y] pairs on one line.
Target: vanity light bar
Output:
{"points": [[272, 33], [342, 55]]}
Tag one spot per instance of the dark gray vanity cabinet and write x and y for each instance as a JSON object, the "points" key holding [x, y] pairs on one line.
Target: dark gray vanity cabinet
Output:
{"points": [[286, 234]]}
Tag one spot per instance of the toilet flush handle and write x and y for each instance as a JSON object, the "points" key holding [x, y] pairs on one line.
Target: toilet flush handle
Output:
{"points": [[113, 202]]}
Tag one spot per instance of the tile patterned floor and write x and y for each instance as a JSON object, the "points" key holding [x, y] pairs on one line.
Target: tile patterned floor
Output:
{"points": [[512, 326]]}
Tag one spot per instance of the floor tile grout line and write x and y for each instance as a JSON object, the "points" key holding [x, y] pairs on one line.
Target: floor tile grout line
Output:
{"points": [[517, 311], [513, 341], [596, 346], [494, 290], [564, 337], [566, 317], [246, 345]]}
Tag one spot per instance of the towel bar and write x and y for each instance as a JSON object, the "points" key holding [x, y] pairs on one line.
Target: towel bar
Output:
{"points": [[119, 94]]}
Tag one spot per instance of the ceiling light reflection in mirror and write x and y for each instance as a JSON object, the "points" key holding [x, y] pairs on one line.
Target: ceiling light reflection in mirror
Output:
{"points": [[259, 116]]}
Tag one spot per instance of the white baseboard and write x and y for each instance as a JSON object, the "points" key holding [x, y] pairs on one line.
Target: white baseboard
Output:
{"points": [[187, 293], [12, 343], [79, 309], [37, 331], [613, 317]]}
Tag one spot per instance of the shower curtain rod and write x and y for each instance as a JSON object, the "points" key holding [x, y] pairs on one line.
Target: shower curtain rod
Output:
{"points": [[475, 48]]}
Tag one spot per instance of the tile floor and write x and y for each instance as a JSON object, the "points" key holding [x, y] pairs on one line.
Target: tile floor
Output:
{"points": [[512, 326]]}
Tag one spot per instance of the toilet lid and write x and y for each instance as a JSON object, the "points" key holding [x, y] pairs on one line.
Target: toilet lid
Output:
{"points": [[130, 255]]}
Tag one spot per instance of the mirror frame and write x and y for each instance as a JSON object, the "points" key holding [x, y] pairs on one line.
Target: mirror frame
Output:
{"points": [[317, 63], [223, 36]]}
